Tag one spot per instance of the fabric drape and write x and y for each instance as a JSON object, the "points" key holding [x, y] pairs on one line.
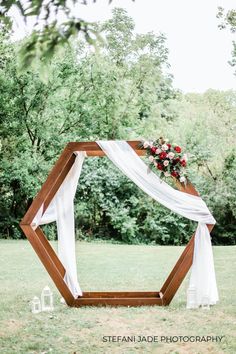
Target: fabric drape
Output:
{"points": [[61, 210], [202, 278]]}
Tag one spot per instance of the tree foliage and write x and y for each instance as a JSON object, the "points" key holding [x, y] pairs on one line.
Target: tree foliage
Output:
{"points": [[120, 92], [228, 20], [55, 22]]}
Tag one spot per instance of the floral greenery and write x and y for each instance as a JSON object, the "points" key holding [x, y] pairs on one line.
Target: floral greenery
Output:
{"points": [[167, 158]]}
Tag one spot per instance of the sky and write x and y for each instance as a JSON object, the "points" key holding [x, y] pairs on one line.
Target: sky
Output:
{"points": [[198, 51]]}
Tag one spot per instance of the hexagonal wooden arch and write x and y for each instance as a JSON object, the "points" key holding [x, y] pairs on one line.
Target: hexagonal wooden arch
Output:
{"points": [[55, 268]]}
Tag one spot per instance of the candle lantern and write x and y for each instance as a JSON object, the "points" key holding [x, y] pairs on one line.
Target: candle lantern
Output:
{"points": [[35, 305], [47, 299]]}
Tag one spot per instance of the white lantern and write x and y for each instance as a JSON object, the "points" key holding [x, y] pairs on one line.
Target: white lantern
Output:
{"points": [[35, 305], [47, 299], [191, 298], [205, 303]]}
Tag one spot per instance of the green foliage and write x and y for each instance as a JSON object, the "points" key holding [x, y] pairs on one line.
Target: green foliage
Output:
{"points": [[121, 92], [50, 33], [225, 208], [228, 20]]}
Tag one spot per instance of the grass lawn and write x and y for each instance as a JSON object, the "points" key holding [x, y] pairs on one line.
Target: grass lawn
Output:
{"points": [[104, 266]]}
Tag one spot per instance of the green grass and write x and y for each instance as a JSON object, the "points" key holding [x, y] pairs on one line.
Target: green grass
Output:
{"points": [[105, 266]]}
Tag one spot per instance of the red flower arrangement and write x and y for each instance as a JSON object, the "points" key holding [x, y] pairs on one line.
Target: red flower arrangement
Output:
{"points": [[167, 158]]}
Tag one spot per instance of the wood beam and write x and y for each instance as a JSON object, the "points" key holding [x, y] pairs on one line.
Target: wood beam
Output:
{"points": [[50, 187], [50, 251], [119, 301], [120, 294], [49, 263], [93, 149]]}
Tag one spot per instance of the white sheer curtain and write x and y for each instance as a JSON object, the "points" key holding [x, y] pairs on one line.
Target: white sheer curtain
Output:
{"points": [[61, 210], [202, 278]]}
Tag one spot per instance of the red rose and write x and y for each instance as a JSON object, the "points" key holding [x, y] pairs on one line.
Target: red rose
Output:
{"points": [[174, 174], [153, 150], [175, 161], [169, 145], [177, 149], [183, 163], [159, 166], [163, 155]]}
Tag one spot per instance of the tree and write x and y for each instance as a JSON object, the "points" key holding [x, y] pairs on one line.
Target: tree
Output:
{"points": [[87, 96], [119, 92], [228, 20], [54, 22]]}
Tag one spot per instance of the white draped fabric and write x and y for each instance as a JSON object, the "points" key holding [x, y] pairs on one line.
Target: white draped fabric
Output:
{"points": [[126, 159], [202, 278], [61, 210], [192, 207]]}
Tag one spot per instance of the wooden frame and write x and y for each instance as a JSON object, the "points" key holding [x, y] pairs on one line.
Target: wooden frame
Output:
{"points": [[55, 268]]}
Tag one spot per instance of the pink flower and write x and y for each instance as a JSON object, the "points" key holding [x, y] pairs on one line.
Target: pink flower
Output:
{"points": [[158, 151], [166, 163], [146, 144], [151, 158], [164, 147], [171, 155], [167, 174]]}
